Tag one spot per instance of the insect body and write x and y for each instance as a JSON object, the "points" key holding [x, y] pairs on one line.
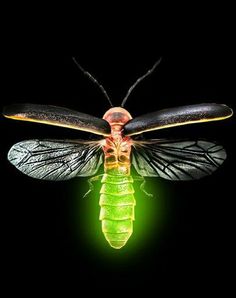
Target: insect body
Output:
{"points": [[118, 150], [117, 194]]}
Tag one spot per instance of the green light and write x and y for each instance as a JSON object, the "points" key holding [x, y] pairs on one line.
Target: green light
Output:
{"points": [[150, 215]]}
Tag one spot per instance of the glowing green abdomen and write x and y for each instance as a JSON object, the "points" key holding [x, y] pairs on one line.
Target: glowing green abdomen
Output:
{"points": [[117, 208]]}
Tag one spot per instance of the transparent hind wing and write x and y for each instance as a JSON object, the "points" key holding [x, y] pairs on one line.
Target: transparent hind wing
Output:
{"points": [[177, 160], [56, 159]]}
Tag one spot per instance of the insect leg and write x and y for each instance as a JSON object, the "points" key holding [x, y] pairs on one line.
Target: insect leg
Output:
{"points": [[142, 185], [90, 183]]}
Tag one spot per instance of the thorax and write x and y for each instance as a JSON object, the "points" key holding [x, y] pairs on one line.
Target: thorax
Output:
{"points": [[117, 149]]}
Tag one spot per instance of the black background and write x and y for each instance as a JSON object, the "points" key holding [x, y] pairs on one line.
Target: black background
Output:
{"points": [[195, 245]]}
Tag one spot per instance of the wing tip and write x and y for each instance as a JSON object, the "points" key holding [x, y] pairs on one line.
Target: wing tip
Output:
{"points": [[7, 111], [226, 110], [14, 109]]}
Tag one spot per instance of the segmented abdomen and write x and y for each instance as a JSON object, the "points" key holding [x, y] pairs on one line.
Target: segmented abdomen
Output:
{"points": [[117, 209]]}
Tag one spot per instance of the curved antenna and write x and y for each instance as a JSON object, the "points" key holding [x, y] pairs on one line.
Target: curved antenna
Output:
{"points": [[139, 80], [86, 73]]}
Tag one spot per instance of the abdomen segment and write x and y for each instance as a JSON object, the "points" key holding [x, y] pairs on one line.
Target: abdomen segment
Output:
{"points": [[117, 209]]}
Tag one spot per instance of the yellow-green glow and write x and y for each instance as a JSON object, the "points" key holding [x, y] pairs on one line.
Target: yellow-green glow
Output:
{"points": [[117, 209], [150, 216]]}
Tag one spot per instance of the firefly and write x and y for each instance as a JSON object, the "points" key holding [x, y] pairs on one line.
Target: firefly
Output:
{"points": [[118, 148]]}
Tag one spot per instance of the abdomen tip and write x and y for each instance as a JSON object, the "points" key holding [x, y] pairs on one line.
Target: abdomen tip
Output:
{"points": [[117, 244]]}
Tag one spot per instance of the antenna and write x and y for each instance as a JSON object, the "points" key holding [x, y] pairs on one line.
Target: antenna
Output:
{"points": [[86, 73], [139, 80]]}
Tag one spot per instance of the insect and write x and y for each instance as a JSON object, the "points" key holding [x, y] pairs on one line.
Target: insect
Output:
{"points": [[117, 149]]}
